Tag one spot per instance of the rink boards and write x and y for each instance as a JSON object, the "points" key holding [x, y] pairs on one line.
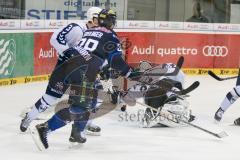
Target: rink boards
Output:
{"points": [[27, 56]]}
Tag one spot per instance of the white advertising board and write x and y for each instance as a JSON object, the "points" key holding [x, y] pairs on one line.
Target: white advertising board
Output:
{"points": [[68, 9], [9, 24]]}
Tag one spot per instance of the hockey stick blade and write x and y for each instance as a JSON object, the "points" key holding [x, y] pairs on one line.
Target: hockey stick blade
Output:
{"points": [[189, 89], [212, 74], [218, 135], [222, 134], [174, 73]]}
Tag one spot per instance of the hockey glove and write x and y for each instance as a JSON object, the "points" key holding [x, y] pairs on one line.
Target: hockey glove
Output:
{"points": [[105, 73], [135, 75], [114, 94]]}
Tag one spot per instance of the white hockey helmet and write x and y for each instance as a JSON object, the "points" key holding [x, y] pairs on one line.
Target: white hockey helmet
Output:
{"points": [[93, 13]]}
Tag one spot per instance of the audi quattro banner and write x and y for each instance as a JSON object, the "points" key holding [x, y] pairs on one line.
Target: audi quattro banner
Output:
{"points": [[199, 50], [45, 56]]}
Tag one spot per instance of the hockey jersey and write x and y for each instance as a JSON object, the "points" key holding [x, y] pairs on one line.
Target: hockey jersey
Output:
{"points": [[67, 37], [104, 43]]}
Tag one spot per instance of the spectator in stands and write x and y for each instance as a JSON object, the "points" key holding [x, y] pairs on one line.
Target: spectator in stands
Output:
{"points": [[197, 15]]}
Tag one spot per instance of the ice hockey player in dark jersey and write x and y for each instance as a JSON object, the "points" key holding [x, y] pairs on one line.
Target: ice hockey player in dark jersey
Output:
{"points": [[79, 70], [62, 39]]}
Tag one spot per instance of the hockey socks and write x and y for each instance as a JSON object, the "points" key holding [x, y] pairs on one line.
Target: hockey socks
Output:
{"points": [[55, 123], [80, 116], [230, 98], [41, 105], [80, 124]]}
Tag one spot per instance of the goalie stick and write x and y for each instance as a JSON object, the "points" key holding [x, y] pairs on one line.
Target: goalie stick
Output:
{"points": [[212, 74], [185, 91], [189, 89], [221, 134], [174, 73], [145, 73]]}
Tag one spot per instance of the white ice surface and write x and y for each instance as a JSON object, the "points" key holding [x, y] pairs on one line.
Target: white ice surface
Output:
{"points": [[124, 140]]}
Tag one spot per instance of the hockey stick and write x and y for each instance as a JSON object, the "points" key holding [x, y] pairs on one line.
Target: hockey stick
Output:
{"points": [[189, 89], [212, 74], [145, 73], [177, 119], [185, 91], [174, 73]]}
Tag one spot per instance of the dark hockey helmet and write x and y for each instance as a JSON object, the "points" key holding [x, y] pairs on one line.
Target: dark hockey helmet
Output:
{"points": [[107, 18]]}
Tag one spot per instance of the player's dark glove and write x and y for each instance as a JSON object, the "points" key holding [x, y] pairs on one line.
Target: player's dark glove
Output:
{"points": [[105, 73], [135, 75], [114, 95]]}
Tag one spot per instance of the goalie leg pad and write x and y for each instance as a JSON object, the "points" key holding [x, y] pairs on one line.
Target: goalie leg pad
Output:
{"points": [[176, 111], [173, 111], [150, 118]]}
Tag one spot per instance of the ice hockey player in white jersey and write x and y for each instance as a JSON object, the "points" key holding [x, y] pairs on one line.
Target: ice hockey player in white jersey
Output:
{"points": [[71, 35], [63, 39], [229, 99]]}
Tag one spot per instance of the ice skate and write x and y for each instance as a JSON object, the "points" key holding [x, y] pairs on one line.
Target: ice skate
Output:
{"points": [[39, 135], [218, 115], [237, 122], [77, 137], [25, 123]]}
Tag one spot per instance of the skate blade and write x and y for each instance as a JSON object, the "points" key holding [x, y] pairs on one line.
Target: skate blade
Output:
{"points": [[90, 133], [75, 145], [36, 138]]}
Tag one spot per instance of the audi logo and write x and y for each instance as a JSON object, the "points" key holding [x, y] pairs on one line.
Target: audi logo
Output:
{"points": [[215, 51]]}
